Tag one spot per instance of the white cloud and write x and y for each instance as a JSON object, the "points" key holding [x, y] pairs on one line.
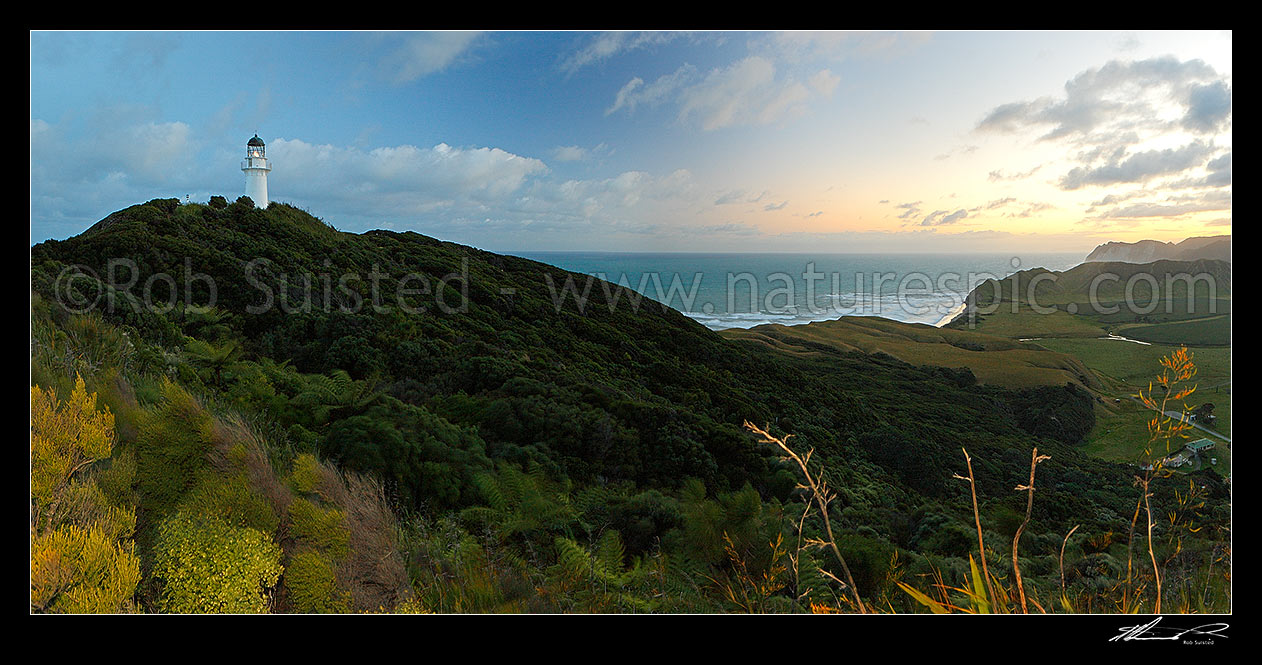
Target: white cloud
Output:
{"points": [[834, 45], [748, 92], [1122, 96], [569, 153], [635, 93], [608, 44], [424, 53], [420, 174]]}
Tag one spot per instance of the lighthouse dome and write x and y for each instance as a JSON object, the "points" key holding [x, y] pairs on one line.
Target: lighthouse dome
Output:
{"points": [[255, 141]]}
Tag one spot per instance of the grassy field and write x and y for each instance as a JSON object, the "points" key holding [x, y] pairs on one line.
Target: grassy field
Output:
{"points": [[1177, 309], [1121, 431], [1130, 366], [995, 360], [1121, 434], [1214, 330], [1026, 323]]}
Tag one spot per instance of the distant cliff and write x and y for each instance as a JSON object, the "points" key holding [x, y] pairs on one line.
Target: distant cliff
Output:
{"points": [[1147, 251]]}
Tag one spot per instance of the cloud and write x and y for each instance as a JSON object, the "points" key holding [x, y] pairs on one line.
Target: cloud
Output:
{"points": [[958, 150], [835, 45], [997, 203], [104, 162], [1171, 206], [732, 228], [1120, 96], [1138, 167], [425, 53], [775, 206], [741, 196], [748, 92], [141, 152], [569, 153], [1219, 171], [824, 82], [998, 175], [608, 44], [1208, 107], [635, 93], [441, 172], [909, 209], [941, 217]]}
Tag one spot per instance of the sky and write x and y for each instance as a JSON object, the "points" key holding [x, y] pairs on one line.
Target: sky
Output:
{"points": [[712, 141]]}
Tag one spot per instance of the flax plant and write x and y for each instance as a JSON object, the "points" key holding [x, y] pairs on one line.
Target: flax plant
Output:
{"points": [[1177, 369]]}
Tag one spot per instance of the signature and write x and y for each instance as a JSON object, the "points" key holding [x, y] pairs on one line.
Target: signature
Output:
{"points": [[1151, 631]]}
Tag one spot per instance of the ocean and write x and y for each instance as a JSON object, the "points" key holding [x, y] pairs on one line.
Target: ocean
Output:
{"points": [[744, 290]]}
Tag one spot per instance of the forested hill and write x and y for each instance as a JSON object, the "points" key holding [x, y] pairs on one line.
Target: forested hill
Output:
{"points": [[472, 362]]}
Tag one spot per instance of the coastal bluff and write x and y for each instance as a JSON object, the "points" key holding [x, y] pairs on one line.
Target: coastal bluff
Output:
{"points": [[1147, 251]]}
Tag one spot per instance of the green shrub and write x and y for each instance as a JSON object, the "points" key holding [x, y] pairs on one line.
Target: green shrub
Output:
{"points": [[171, 447], [312, 585], [322, 528], [209, 566], [233, 500], [306, 473]]}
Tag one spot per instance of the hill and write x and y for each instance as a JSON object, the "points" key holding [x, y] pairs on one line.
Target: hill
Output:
{"points": [[1146, 251], [993, 360], [523, 421], [1167, 301]]}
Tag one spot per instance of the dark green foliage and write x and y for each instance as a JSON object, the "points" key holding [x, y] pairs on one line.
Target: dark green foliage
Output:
{"points": [[421, 456], [170, 449], [538, 423], [915, 462], [1063, 413]]}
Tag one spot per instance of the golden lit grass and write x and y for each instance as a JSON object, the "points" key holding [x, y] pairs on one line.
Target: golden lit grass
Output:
{"points": [[993, 360]]}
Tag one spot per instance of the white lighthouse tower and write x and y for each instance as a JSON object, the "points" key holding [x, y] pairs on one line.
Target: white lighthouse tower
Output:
{"points": [[256, 167]]}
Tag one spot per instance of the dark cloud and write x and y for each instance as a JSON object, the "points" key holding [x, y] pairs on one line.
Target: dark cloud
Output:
{"points": [[1208, 107]]}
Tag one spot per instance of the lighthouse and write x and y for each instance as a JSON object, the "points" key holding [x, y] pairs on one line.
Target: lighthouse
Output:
{"points": [[256, 167]]}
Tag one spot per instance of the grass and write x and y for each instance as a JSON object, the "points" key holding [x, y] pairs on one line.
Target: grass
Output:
{"points": [[1026, 322], [1121, 430], [1128, 366], [1214, 330], [993, 360]]}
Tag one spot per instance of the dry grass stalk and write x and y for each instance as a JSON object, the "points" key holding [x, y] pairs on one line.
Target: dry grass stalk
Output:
{"points": [[981, 544], [1035, 458], [1062, 559], [822, 496]]}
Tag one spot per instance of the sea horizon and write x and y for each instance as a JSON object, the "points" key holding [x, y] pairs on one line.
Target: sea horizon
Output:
{"points": [[724, 290]]}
